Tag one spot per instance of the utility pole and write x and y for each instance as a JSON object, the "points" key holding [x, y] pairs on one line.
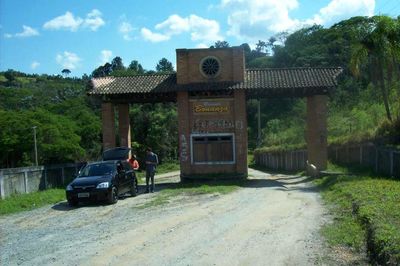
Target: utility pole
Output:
{"points": [[258, 123], [34, 140]]}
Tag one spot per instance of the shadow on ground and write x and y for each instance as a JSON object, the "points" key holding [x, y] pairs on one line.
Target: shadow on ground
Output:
{"points": [[263, 179]]}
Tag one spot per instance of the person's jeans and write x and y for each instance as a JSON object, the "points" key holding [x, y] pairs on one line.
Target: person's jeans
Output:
{"points": [[150, 175]]}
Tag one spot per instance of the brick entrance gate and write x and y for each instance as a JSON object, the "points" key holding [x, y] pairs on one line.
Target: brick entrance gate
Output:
{"points": [[211, 87]]}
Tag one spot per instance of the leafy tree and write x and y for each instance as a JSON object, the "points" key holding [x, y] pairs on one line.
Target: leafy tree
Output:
{"points": [[220, 44], [102, 71], [261, 46], [136, 67], [379, 49], [116, 64], [66, 72], [10, 75], [56, 137], [151, 121], [164, 66]]}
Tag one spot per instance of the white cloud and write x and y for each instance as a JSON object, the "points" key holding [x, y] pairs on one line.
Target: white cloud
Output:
{"points": [[105, 56], [338, 10], [200, 29], [68, 60], [148, 35], [174, 25], [35, 65], [125, 28], [68, 21], [204, 29], [27, 32], [252, 20], [93, 20]]}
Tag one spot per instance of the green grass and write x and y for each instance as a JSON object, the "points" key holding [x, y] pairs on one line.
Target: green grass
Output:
{"points": [[191, 189], [161, 169], [23, 202], [366, 210], [168, 167]]}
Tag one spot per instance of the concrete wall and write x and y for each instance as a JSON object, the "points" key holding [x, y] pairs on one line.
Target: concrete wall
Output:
{"points": [[30, 179]]}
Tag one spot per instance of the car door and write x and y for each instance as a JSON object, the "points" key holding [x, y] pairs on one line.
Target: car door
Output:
{"points": [[128, 174], [122, 180]]}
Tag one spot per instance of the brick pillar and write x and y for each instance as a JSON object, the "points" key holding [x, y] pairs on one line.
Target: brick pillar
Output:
{"points": [[108, 125], [124, 125], [184, 135], [316, 135], [240, 132]]}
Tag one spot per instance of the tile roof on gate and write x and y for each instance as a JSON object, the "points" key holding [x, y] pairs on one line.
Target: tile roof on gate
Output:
{"points": [[275, 79], [156, 83]]}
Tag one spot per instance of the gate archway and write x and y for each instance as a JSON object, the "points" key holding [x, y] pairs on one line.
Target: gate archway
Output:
{"points": [[211, 87]]}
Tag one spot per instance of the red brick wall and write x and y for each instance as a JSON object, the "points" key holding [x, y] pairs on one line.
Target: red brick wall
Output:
{"points": [[188, 64]]}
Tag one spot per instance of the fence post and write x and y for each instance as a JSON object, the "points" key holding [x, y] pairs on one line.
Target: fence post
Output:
{"points": [[2, 193], [376, 159], [361, 154], [26, 180]]}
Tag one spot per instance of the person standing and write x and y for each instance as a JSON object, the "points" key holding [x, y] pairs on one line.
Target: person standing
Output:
{"points": [[151, 165], [133, 162]]}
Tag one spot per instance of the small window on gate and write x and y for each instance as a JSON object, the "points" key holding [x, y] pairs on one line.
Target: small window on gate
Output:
{"points": [[214, 149]]}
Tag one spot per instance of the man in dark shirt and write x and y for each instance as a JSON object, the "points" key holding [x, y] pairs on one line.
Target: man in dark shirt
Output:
{"points": [[151, 165]]}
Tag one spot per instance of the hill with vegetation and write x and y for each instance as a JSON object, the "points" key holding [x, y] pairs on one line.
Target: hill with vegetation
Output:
{"points": [[365, 105]]}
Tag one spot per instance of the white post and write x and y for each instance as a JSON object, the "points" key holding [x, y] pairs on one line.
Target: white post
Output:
{"points": [[2, 193], [34, 140], [26, 180]]}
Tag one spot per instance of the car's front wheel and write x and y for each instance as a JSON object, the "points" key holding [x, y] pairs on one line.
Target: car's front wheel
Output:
{"points": [[113, 197]]}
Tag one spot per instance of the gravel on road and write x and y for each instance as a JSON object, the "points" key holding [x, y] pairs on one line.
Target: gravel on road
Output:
{"points": [[275, 220]]}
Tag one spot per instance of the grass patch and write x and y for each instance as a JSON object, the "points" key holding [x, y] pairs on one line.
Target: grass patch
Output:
{"points": [[168, 167], [163, 168], [24, 202], [366, 211], [192, 189]]}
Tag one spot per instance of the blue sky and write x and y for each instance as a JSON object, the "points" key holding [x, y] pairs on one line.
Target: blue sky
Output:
{"points": [[46, 36]]}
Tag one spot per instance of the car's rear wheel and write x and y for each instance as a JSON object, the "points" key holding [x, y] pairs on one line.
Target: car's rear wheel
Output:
{"points": [[133, 188], [73, 203], [113, 197]]}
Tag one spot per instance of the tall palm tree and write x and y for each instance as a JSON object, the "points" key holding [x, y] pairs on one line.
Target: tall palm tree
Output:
{"points": [[379, 50]]}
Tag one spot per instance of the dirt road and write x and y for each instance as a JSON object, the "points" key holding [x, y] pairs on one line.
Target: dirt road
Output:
{"points": [[273, 221]]}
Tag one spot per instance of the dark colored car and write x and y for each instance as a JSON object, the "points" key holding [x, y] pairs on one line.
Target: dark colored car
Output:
{"points": [[104, 180]]}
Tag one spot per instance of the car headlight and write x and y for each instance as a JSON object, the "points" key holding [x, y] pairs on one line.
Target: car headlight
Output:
{"points": [[69, 188], [103, 185]]}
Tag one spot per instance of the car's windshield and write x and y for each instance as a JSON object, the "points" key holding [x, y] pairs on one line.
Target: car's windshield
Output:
{"points": [[97, 169]]}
